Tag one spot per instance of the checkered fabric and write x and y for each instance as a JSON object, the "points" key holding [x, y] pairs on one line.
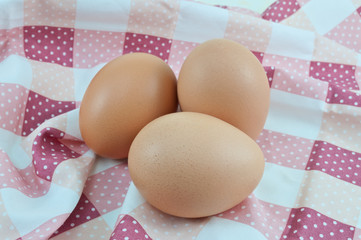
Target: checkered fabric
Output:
{"points": [[53, 187]]}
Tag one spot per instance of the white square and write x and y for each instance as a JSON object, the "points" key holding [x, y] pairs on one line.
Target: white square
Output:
{"points": [[358, 60], [291, 42], [327, 14], [16, 69], [279, 185], [132, 200], [294, 114], [72, 123], [28, 213], [82, 79], [106, 15], [199, 23], [220, 228], [11, 14], [11, 144]]}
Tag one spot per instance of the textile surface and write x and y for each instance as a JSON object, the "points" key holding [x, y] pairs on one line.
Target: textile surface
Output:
{"points": [[53, 187]]}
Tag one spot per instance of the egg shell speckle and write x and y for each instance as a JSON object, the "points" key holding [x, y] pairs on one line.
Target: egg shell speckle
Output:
{"points": [[224, 79], [124, 96], [194, 165]]}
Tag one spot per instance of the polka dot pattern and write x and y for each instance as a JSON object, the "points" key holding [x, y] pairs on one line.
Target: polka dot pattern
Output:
{"points": [[157, 18], [270, 71], [83, 212], [259, 55], [299, 20], [254, 33], [94, 229], [285, 150], [50, 12], [330, 196], [336, 161], [267, 218], [73, 173], [95, 47], [338, 74], [297, 80], [13, 98], [7, 227], [74, 144], [49, 44], [342, 96], [48, 152], [347, 32], [156, 46], [163, 226], [128, 229], [52, 81], [24, 180], [11, 42], [108, 188], [330, 51], [280, 10], [178, 53], [39, 108], [339, 126], [46, 230], [306, 223]]}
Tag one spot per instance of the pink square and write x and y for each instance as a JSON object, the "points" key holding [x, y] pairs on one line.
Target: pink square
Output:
{"points": [[11, 42], [50, 13], [157, 18], [107, 189], [292, 75], [270, 71], [49, 44], [280, 10], [156, 46], [49, 152], [163, 226], [40, 108], [95, 47], [340, 95], [23, 180], [304, 86], [347, 33], [269, 219], [129, 228], [338, 74], [310, 224], [335, 161], [178, 53], [84, 211], [52, 81], [295, 67], [259, 55], [254, 33], [285, 150], [13, 98], [46, 230]]}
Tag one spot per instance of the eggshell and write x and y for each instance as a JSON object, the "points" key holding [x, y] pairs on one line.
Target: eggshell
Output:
{"points": [[125, 95], [224, 79], [194, 165]]}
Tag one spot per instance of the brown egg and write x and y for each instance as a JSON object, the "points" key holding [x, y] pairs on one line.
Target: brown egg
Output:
{"points": [[224, 79], [125, 95], [194, 165]]}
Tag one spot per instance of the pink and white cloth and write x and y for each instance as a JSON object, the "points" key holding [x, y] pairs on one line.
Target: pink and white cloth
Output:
{"points": [[53, 187]]}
